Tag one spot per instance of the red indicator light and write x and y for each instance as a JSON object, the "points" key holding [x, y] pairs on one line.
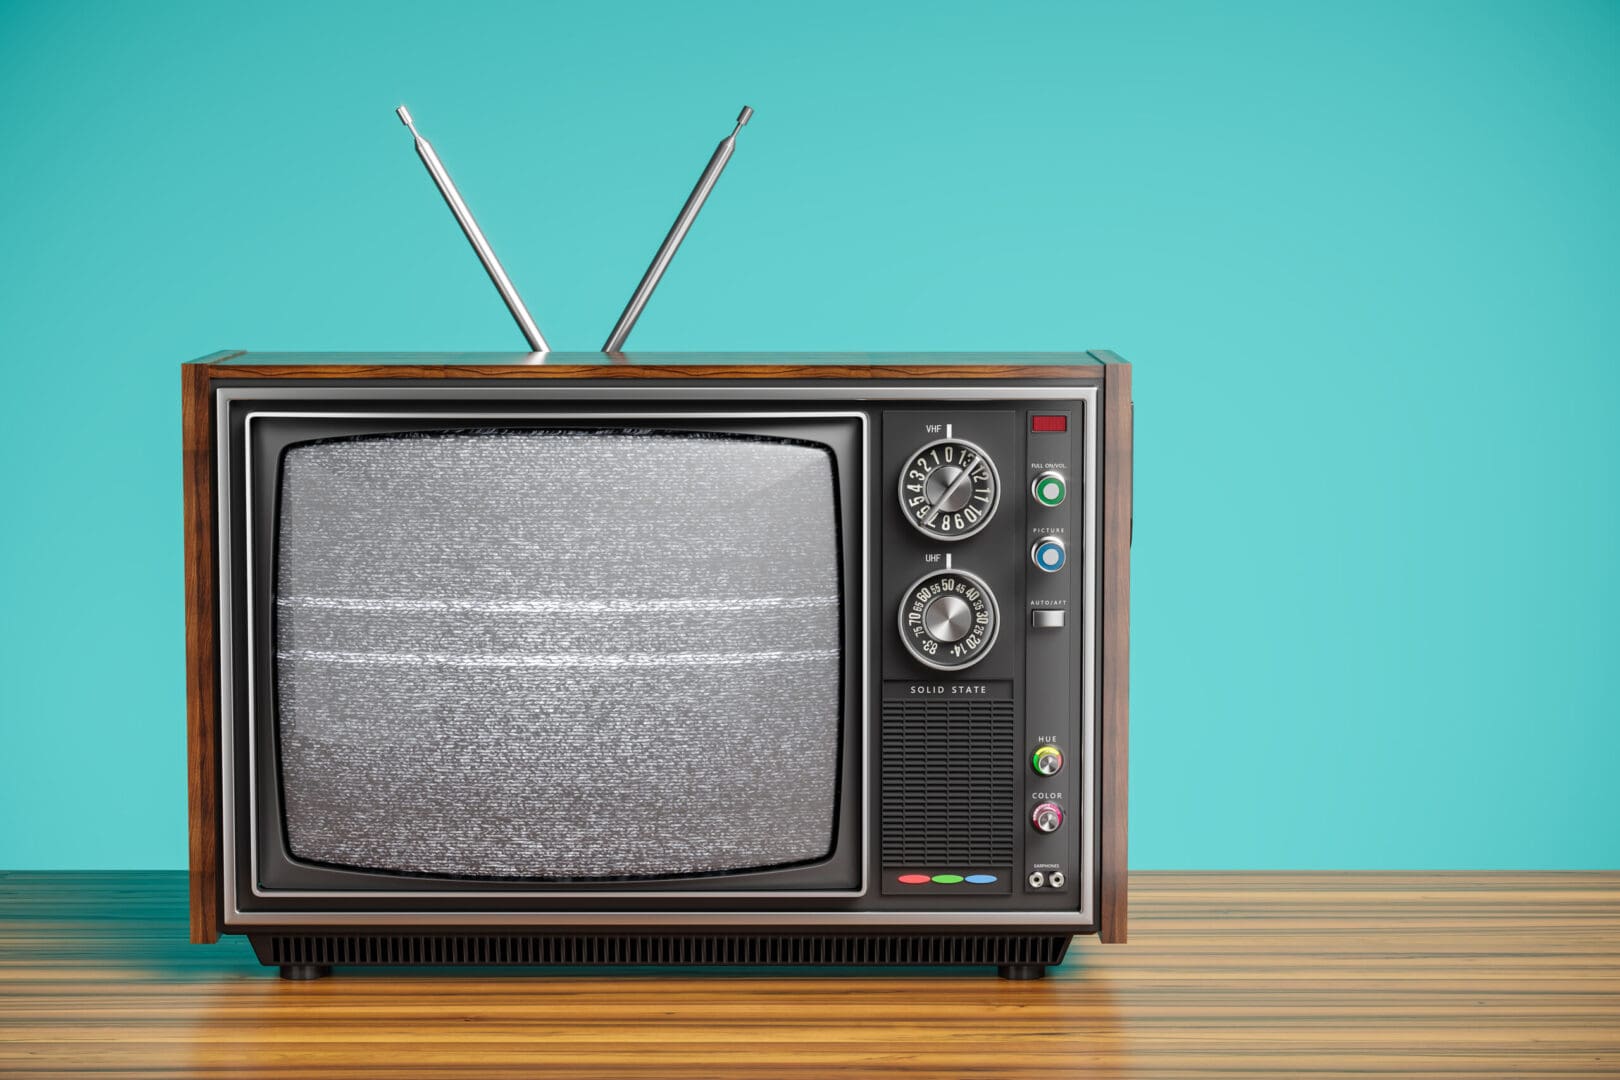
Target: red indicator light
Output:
{"points": [[915, 879], [1049, 423]]}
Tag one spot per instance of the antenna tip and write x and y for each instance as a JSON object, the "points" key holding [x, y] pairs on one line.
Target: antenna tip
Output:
{"points": [[405, 117], [743, 117]]}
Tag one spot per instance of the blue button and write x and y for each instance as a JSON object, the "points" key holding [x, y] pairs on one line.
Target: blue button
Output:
{"points": [[980, 879], [1049, 555]]}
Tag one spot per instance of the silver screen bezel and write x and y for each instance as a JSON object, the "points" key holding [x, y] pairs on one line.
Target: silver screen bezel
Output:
{"points": [[237, 918]]}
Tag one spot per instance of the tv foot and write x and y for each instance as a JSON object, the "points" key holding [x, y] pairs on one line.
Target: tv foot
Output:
{"points": [[1020, 972], [305, 972]]}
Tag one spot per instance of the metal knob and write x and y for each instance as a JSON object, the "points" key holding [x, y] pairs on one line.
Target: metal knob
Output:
{"points": [[949, 488], [1047, 760], [1048, 816], [948, 619]]}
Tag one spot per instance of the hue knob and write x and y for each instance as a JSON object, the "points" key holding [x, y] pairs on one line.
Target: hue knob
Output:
{"points": [[1047, 760], [1049, 554], [1050, 488], [1048, 816]]}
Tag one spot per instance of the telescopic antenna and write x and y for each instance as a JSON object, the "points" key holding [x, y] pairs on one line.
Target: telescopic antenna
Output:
{"points": [[475, 236], [677, 233]]}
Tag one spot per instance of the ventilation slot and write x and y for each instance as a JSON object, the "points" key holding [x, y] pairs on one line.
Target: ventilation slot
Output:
{"points": [[581, 950], [948, 783]]}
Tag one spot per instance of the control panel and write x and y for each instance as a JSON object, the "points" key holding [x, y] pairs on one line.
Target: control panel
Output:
{"points": [[1052, 649], [982, 761]]}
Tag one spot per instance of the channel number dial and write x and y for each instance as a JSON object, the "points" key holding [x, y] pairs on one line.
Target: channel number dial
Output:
{"points": [[949, 489], [948, 620]]}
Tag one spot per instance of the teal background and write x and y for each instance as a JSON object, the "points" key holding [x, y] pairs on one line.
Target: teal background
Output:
{"points": [[1364, 258]]}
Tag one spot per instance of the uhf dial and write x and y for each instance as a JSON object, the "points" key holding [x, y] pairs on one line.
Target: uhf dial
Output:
{"points": [[948, 619], [949, 489]]}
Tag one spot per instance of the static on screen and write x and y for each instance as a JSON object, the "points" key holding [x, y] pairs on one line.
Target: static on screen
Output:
{"points": [[558, 654]]}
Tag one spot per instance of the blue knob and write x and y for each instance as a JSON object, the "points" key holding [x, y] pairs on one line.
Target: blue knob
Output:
{"points": [[1049, 554]]}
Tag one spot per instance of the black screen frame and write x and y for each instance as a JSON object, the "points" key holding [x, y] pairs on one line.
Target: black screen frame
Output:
{"points": [[273, 878]]}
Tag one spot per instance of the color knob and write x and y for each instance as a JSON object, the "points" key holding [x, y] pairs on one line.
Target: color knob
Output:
{"points": [[1048, 816], [1049, 554], [1050, 488], [1047, 760]]}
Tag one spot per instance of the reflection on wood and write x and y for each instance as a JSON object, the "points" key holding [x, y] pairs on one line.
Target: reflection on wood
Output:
{"points": [[1392, 974]]}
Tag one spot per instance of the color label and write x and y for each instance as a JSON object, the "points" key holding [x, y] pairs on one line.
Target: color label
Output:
{"points": [[947, 879]]}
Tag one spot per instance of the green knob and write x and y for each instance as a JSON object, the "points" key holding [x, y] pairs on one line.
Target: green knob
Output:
{"points": [[1050, 488]]}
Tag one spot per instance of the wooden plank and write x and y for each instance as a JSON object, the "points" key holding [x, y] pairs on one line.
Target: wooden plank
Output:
{"points": [[1317, 975]]}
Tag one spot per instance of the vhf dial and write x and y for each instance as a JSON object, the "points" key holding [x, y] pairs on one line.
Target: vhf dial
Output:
{"points": [[948, 619], [949, 489]]}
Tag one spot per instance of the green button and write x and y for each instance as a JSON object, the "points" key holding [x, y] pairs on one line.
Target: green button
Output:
{"points": [[1050, 490], [947, 879]]}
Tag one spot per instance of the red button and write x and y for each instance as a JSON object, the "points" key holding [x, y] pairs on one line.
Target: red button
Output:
{"points": [[915, 879], [1049, 423]]}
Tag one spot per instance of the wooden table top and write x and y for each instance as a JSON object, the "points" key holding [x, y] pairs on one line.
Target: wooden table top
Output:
{"points": [[1324, 974]]}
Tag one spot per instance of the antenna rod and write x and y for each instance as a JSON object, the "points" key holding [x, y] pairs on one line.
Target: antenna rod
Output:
{"points": [[475, 236], [677, 233]]}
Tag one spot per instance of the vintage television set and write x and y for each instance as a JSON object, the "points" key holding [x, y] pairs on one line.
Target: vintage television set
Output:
{"points": [[561, 658], [661, 659]]}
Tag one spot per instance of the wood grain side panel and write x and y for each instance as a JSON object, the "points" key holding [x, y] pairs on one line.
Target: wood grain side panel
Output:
{"points": [[672, 373], [202, 689], [1118, 419]]}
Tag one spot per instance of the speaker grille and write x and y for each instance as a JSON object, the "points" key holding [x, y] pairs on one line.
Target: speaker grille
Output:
{"points": [[674, 949], [948, 783]]}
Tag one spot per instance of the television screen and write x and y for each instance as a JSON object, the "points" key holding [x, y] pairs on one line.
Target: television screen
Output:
{"points": [[558, 654]]}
